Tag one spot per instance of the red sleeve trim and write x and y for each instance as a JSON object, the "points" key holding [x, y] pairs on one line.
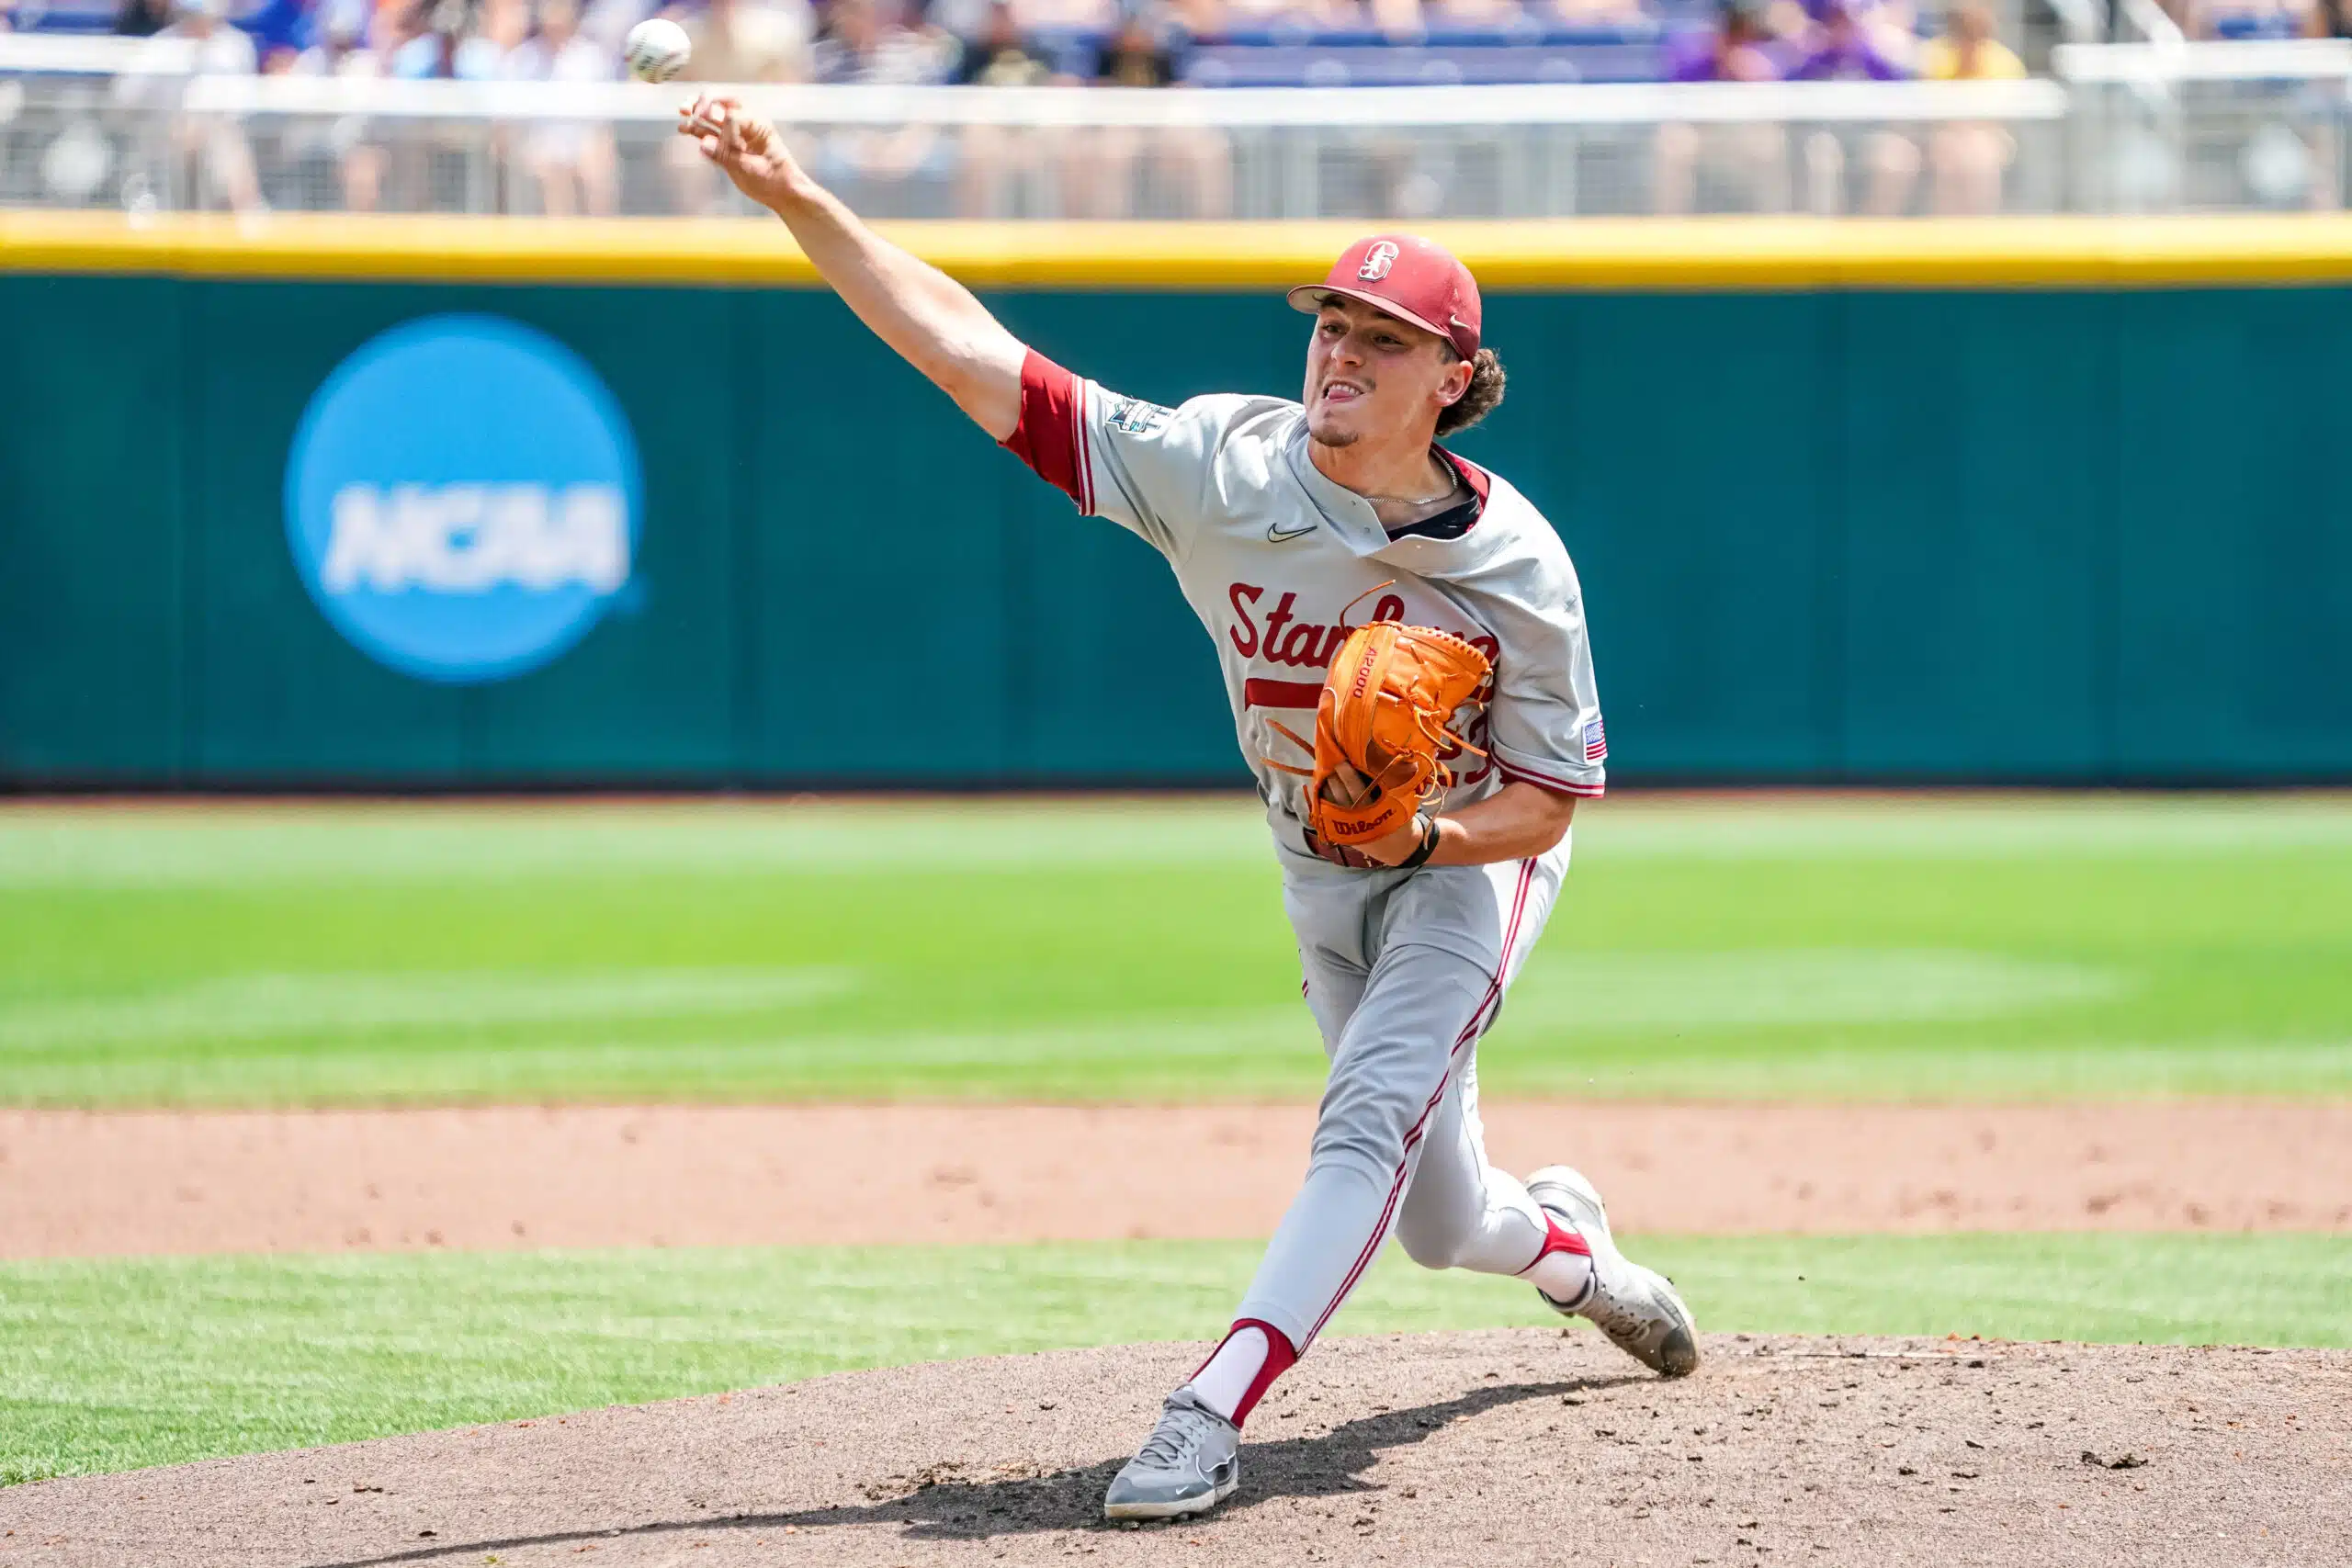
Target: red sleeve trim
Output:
{"points": [[1085, 455], [1051, 436], [1557, 786]]}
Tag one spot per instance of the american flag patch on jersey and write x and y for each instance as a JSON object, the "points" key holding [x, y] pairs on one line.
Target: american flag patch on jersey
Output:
{"points": [[1596, 741]]}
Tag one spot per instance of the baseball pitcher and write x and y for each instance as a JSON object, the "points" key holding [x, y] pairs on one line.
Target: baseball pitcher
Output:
{"points": [[1396, 627]]}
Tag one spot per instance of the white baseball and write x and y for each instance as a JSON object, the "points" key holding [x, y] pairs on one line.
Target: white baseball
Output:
{"points": [[657, 50]]}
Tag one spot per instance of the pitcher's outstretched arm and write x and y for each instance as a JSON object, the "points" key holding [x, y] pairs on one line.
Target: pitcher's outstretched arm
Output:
{"points": [[929, 319]]}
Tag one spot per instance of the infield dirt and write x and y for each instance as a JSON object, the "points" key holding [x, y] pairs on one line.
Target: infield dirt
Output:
{"points": [[75, 1183], [1510, 1446]]}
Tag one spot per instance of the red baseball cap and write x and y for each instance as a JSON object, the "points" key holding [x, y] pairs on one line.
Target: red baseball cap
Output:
{"points": [[1411, 278]]}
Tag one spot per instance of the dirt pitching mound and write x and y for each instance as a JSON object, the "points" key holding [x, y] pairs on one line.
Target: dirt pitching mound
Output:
{"points": [[1504, 1448]]}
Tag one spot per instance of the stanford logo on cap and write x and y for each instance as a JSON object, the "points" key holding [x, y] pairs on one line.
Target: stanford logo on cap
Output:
{"points": [[1413, 279]]}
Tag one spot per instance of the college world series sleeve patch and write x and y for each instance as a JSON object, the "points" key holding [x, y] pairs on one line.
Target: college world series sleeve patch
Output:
{"points": [[1133, 416]]}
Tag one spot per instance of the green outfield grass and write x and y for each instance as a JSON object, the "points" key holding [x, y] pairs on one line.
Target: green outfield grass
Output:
{"points": [[1777, 946], [113, 1364]]}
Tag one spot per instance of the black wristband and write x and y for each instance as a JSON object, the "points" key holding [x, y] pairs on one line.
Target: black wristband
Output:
{"points": [[1421, 857]]}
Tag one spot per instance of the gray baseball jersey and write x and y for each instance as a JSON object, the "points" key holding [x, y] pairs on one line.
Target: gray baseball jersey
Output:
{"points": [[1403, 970], [1270, 554]]}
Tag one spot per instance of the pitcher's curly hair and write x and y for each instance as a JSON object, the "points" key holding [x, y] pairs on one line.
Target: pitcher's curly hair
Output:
{"points": [[1485, 395]]}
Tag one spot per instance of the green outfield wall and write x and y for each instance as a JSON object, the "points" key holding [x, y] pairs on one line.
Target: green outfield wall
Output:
{"points": [[1873, 531]]}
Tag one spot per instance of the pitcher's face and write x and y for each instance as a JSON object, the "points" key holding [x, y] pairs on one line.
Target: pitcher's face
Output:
{"points": [[1373, 377]]}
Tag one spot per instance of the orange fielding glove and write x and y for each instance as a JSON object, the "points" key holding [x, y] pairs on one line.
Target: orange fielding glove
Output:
{"points": [[1386, 700]]}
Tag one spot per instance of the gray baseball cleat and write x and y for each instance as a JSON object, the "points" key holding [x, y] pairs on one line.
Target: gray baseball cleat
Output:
{"points": [[1190, 1463], [1636, 1308]]}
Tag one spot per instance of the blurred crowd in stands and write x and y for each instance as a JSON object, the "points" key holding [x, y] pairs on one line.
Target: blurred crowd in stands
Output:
{"points": [[984, 170]]}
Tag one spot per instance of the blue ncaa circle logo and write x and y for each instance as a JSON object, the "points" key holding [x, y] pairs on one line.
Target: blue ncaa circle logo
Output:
{"points": [[462, 498]]}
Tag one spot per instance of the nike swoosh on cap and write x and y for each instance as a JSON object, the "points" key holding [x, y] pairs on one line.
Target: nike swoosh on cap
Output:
{"points": [[1276, 534]]}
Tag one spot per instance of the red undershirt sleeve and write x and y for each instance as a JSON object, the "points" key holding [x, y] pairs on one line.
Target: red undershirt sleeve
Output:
{"points": [[1051, 436], [1150, 470]]}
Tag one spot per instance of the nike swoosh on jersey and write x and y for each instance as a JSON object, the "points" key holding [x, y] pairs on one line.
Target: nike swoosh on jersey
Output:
{"points": [[1279, 536]]}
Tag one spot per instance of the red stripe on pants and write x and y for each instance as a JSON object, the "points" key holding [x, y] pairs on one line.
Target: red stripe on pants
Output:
{"points": [[1405, 1156]]}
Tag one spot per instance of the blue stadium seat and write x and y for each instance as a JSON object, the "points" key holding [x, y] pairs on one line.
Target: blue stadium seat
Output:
{"points": [[1227, 65], [1528, 50], [62, 16], [272, 22]]}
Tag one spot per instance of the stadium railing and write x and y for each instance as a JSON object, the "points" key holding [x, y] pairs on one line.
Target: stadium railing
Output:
{"points": [[2174, 127], [89, 122]]}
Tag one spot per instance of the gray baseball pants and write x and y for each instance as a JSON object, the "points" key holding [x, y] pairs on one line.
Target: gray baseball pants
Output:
{"points": [[1404, 971]]}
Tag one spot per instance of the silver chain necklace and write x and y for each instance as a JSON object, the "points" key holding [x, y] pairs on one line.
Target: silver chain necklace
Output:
{"points": [[1418, 500]]}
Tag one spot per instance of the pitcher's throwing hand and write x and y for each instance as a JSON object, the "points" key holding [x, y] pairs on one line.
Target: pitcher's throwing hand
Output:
{"points": [[740, 142]]}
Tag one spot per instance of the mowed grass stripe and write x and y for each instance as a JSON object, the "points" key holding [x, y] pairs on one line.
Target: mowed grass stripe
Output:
{"points": [[1106, 950], [137, 844], [266, 1005], [1181, 1063], [116, 1364], [1591, 991]]}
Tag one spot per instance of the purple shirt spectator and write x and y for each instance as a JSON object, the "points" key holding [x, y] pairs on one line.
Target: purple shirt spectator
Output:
{"points": [[1736, 49], [1828, 13], [1849, 59], [1840, 49]]}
